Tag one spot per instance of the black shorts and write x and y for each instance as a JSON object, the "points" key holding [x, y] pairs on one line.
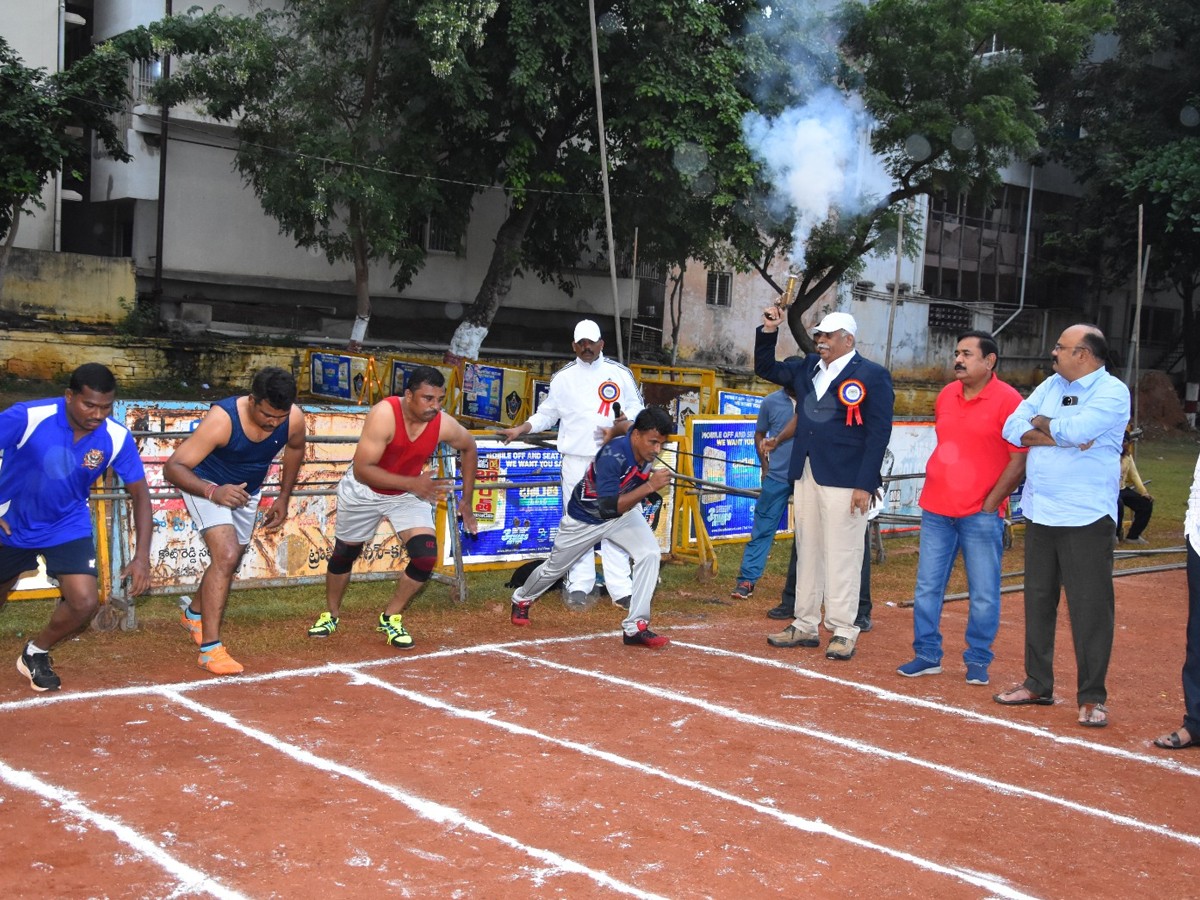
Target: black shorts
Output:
{"points": [[77, 557]]}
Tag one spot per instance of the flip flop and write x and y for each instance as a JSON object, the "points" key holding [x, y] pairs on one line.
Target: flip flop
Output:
{"points": [[1173, 742], [1093, 715], [1019, 695]]}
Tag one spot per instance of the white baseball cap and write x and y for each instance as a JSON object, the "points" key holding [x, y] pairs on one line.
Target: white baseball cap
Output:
{"points": [[587, 330], [836, 321]]}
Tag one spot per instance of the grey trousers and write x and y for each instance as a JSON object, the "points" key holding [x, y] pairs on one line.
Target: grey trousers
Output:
{"points": [[631, 532], [1079, 560]]}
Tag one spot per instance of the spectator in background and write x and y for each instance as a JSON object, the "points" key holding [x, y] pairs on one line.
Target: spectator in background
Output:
{"points": [[844, 406], [1188, 734], [1134, 495], [778, 410], [584, 398], [968, 478], [1073, 423]]}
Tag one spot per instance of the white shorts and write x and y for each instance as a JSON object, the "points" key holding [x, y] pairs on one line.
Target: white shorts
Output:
{"points": [[360, 510], [206, 514]]}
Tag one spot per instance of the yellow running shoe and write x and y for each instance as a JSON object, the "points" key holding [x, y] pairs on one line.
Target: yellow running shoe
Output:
{"points": [[325, 625], [394, 629], [218, 661]]}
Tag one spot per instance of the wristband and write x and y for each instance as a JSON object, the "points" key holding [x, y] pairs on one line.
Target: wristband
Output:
{"points": [[208, 495]]}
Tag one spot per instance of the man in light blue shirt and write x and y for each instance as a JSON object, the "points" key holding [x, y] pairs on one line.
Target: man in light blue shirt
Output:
{"points": [[1073, 423]]}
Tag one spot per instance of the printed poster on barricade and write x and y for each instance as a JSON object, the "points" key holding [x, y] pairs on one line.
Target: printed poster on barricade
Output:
{"points": [[493, 394], [738, 403], [401, 369], [723, 455], [518, 517], [908, 452], [337, 376], [298, 550]]}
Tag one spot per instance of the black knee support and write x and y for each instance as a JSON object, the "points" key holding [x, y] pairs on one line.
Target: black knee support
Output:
{"points": [[422, 556], [343, 557]]}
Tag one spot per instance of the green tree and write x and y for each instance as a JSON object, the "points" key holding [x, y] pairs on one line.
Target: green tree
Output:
{"points": [[956, 89], [338, 108], [40, 115], [1135, 142]]}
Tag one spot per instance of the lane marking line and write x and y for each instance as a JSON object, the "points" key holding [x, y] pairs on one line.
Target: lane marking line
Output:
{"points": [[191, 880], [811, 826], [427, 809], [863, 747]]}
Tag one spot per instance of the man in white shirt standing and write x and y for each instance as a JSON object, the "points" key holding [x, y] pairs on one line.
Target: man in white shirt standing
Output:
{"points": [[591, 398]]}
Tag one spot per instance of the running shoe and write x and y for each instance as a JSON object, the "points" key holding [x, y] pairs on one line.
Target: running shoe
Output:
{"points": [[326, 625], [194, 625], [392, 626], [36, 667], [218, 661]]}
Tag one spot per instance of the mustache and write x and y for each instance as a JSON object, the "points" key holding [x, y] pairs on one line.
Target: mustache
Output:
{"points": [[959, 367]]}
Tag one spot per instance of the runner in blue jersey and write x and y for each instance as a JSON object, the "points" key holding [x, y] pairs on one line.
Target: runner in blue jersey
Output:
{"points": [[220, 468], [54, 450], [606, 505]]}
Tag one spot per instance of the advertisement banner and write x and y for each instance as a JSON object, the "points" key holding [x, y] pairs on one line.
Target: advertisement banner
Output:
{"points": [[178, 555], [520, 522], [738, 403], [723, 453], [908, 451], [493, 394], [337, 376]]}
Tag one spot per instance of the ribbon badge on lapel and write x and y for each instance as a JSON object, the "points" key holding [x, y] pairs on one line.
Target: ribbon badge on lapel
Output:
{"points": [[852, 393], [609, 392]]}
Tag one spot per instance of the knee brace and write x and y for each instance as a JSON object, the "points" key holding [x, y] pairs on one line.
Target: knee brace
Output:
{"points": [[343, 557], [422, 555]]}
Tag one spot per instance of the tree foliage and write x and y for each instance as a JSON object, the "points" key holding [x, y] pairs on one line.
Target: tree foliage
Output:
{"points": [[1136, 143], [957, 90], [45, 120]]}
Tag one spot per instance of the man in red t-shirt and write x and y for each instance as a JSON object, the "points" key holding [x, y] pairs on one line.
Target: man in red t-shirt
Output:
{"points": [[387, 480], [968, 479]]}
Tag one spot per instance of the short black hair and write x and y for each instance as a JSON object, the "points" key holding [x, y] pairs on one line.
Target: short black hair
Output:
{"points": [[425, 375], [95, 376], [1094, 340], [654, 418], [275, 385], [987, 342]]}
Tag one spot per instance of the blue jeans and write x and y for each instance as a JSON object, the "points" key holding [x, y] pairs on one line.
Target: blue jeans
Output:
{"points": [[981, 539], [768, 512]]}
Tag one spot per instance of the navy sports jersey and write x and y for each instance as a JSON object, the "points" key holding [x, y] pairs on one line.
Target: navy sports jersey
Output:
{"points": [[242, 460], [46, 473], [613, 472]]}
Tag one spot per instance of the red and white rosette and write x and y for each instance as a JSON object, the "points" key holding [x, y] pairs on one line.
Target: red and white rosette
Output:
{"points": [[609, 392], [852, 393]]}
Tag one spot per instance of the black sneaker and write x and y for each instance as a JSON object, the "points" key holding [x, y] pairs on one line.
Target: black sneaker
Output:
{"points": [[782, 611], [622, 602], [644, 637], [36, 667], [863, 623]]}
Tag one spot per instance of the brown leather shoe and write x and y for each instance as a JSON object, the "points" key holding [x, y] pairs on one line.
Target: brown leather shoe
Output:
{"points": [[793, 637], [840, 648]]}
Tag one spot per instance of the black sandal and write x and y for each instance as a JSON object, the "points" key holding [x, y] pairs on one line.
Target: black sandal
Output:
{"points": [[1174, 742]]}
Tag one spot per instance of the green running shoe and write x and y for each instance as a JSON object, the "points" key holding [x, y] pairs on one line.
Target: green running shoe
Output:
{"points": [[324, 627], [394, 629]]}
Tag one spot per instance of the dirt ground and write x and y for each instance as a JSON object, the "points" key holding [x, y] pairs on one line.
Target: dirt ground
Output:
{"points": [[555, 762]]}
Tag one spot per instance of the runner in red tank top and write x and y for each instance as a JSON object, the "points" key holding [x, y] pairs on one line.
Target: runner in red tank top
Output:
{"points": [[388, 479]]}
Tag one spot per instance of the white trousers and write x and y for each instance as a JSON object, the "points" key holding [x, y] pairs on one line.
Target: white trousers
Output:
{"points": [[630, 532], [829, 551], [582, 576]]}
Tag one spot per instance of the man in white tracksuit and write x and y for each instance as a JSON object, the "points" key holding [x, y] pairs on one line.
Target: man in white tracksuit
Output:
{"points": [[582, 400]]}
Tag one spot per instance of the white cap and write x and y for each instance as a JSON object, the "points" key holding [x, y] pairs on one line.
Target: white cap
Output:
{"points": [[836, 321], [587, 330]]}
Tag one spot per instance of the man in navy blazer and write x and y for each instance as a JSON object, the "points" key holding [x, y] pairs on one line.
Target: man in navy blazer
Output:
{"points": [[844, 422]]}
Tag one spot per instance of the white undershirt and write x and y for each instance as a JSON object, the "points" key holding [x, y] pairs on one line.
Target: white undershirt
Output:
{"points": [[826, 375]]}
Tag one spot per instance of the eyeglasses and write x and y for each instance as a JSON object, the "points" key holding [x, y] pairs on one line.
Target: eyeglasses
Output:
{"points": [[1059, 348]]}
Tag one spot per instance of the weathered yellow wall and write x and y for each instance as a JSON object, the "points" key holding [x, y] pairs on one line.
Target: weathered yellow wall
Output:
{"points": [[67, 286]]}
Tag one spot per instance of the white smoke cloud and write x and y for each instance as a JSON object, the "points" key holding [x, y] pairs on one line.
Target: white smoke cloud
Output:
{"points": [[818, 157]]}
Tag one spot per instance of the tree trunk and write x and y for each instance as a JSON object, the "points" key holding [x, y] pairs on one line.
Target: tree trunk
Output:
{"points": [[497, 283], [675, 305], [9, 240], [362, 289]]}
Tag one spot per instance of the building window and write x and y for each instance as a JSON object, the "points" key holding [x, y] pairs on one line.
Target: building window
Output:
{"points": [[436, 237], [720, 286]]}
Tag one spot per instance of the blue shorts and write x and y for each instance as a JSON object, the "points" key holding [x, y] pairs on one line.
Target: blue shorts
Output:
{"points": [[77, 557]]}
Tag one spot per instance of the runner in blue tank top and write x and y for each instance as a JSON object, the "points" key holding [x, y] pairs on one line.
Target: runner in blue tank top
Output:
{"points": [[220, 469], [54, 450]]}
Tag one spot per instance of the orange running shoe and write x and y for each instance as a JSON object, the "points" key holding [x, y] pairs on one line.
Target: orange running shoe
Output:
{"points": [[195, 626], [218, 661]]}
